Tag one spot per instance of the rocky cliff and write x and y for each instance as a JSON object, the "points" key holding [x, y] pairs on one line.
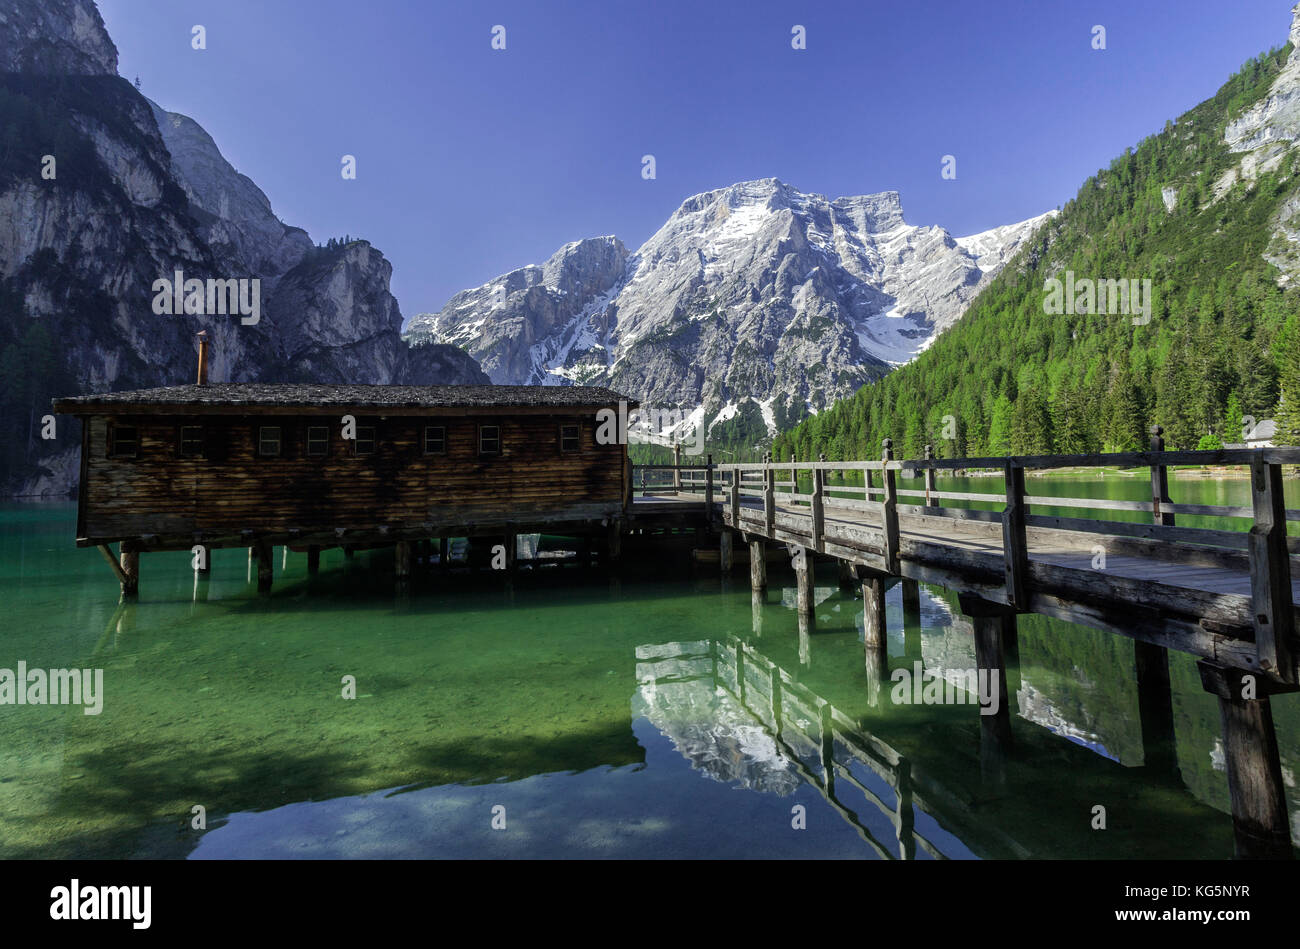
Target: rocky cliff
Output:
{"points": [[102, 193]]}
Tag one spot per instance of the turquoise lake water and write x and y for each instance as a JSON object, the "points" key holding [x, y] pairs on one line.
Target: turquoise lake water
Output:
{"points": [[583, 715]]}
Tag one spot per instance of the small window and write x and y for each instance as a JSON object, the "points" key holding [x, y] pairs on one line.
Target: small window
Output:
{"points": [[435, 440], [364, 443], [569, 437], [318, 441], [489, 439], [191, 441], [268, 441], [125, 442]]}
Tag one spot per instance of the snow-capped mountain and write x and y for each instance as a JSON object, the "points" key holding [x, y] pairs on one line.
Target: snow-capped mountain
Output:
{"points": [[755, 293]]}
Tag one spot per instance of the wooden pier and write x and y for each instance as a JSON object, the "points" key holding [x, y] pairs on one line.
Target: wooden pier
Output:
{"points": [[1226, 597]]}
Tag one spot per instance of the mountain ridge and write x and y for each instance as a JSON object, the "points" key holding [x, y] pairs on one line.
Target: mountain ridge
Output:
{"points": [[753, 295]]}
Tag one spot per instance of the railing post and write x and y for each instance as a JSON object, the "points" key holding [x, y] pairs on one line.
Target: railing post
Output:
{"points": [[734, 500], [1015, 547], [794, 480], [889, 508], [929, 474], [1270, 573], [1159, 483], [818, 507], [769, 495], [708, 490], [677, 468]]}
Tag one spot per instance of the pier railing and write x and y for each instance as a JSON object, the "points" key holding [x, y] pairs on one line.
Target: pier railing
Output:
{"points": [[857, 511]]}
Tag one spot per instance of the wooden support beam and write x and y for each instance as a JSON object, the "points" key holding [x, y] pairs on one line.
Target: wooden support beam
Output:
{"points": [[724, 550], [313, 560], [875, 636], [677, 469], [911, 617], [874, 632], [614, 538], [848, 577], [114, 563], [1259, 816], [402, 561], [1155, 709], [758, 566], [1270, 573], [889, 510], [1015, 545], [988, 621], [444, 553], [803, 568], [130, 564], [265, 566]]}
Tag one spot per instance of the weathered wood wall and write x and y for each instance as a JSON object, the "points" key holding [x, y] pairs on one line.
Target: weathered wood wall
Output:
{"points": [[231, 488]]}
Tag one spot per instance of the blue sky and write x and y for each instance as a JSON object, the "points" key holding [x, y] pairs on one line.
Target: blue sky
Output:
{"points": [[473, 161]]}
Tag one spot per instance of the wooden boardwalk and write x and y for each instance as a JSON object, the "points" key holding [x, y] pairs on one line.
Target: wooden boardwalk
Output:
{"points": [[1227, 597]]}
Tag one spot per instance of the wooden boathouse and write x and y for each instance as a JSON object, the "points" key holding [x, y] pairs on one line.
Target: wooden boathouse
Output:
{"points": [[314, 466]]}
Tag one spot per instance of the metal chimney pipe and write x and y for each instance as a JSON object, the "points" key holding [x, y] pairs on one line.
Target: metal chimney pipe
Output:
{"points": [[203, 357]]}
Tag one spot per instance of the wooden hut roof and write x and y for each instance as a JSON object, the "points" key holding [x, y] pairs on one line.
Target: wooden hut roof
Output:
{"points": [[235, 396]]}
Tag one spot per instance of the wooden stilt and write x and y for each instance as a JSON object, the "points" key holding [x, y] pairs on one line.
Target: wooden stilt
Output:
{"points": [[988, 621], [313, 561], [444, 553], [1259, 816], [1155, 708], [875, 636], [758, 566], [724, 551], [848, 578], [114, 563], [803, 567], [402, 561], [614, 539], [911, 617], [264, 566], [130, 563], [756, 603]]}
